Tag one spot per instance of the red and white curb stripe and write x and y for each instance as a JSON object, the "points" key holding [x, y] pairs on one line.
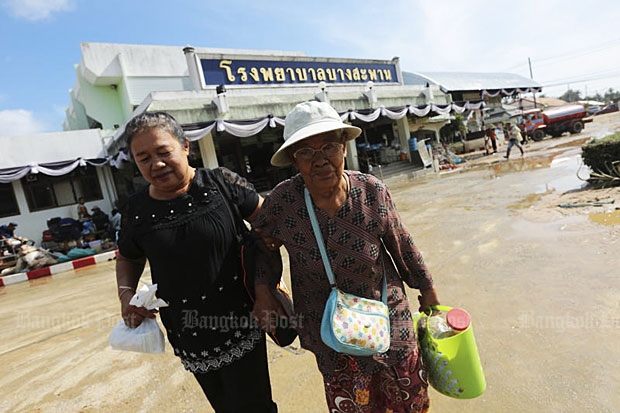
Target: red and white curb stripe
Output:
{"points": [[58, 268]]}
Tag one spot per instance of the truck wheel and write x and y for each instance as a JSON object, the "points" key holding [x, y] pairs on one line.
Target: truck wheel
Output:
{"points": [[538, 135], [577, 127]]}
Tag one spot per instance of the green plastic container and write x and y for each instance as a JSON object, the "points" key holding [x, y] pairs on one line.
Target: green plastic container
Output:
{"points": [[452, 364]]}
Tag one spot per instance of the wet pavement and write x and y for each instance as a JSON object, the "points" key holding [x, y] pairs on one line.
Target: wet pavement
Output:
{"points": [[541, 283]]}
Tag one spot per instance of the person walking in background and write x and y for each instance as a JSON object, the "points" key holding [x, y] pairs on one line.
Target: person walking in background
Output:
{"points": [[515, 140], [506, 131], [181, 224], [366, 240], [490, 133]]}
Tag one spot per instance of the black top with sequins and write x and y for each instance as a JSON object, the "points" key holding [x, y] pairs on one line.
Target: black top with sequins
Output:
{"points": [[192, 249]]}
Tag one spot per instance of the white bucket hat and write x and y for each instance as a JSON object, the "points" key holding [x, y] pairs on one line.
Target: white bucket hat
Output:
{"points": [[308, 119]]}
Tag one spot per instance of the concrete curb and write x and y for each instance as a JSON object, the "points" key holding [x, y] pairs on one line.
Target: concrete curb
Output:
{"points": [[58, 268]]}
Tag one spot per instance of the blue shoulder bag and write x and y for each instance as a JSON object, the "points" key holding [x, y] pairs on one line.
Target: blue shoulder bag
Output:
{"points": [[351, 324]]}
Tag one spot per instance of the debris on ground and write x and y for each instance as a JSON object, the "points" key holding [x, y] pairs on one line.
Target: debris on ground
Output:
{"points": [[584, 204]]}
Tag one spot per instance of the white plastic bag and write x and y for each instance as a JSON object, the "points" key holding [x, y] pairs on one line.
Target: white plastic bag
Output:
{"points": [[146, 338], [145, 297]]}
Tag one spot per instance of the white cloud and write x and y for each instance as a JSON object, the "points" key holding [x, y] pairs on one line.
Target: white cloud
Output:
{"points": [[34, 10], [19, 122]]}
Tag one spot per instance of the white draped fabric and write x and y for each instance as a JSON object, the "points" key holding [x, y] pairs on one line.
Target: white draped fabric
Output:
{"points": [[509, 92], [399, 113], [249, 129], [239, 129], [235, 129], [52, 169]]}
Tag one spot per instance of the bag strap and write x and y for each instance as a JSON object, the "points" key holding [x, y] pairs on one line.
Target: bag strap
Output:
{"points": [[326, 262], [237, 220], [240, 229]]}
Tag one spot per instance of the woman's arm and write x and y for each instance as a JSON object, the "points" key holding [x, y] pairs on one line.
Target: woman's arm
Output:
{"points": [[128, 272], [251, 218], [268, 271], [428, 298]]}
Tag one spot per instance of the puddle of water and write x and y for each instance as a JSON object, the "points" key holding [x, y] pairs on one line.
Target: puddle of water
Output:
{"points": [[606, 218], [574, 178], [570, 144], [567, 155], [500, 168]]}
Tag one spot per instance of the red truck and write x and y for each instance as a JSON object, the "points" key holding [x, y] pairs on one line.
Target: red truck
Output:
{"points": [[555, 121]]}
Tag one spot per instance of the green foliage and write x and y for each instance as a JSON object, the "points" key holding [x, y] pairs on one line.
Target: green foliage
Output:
{"points": [[571, 95], [610, 95], [459, 123]]}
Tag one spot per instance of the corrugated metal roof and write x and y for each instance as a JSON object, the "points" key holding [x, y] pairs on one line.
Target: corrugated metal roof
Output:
{"points": [[469, 81]]}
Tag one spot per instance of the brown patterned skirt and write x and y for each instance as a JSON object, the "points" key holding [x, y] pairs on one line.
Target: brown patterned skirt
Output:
{"points": [[400, 388]]}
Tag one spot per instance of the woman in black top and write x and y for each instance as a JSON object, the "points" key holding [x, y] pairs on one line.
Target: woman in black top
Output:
{"points": [[182, 225]]}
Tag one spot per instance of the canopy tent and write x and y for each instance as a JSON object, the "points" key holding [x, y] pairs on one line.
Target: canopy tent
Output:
{"points": [[487, 84]]}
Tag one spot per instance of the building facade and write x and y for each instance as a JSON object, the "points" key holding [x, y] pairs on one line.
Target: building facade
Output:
{"points": [[231, 103]]}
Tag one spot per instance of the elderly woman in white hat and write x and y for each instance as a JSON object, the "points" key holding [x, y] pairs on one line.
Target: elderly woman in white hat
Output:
{"points": [[361, 229]]}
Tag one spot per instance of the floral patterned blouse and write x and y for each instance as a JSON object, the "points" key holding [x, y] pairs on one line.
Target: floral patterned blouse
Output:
{"points": [[356, 238]]}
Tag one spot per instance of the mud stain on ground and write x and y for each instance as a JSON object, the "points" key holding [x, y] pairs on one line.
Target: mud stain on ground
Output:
{"points": [[606, 218], [528, 201]]}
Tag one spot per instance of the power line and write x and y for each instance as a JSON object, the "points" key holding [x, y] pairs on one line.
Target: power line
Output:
{"points": [[580, 52], [603, 74], [566, 56]]}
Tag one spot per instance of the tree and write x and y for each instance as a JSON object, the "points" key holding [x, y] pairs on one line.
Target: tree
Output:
{"points": [[611, 95], [571, 95]]}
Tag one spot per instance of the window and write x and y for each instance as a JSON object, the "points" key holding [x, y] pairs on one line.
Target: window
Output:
{"points": [[46, 192], [8, 203]]}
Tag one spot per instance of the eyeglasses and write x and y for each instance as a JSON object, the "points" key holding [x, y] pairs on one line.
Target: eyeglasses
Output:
{"points": [[331, 150]]}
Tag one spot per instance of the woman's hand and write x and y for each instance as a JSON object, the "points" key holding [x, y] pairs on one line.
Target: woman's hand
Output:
{"points": [[266, 308], [133, 315], [428, 298]]}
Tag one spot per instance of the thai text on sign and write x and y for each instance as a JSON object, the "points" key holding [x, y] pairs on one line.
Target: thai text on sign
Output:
{"points": [[240, 72]]}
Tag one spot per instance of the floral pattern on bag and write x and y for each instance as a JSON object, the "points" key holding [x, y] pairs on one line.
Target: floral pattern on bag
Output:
{"points": [[362, 322]]}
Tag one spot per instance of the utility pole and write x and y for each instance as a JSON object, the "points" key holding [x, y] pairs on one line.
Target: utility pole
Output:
{"points": [[529, 62]]}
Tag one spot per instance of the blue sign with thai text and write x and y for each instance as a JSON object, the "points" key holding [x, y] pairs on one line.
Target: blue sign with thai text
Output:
{"points": [[269, 72]]}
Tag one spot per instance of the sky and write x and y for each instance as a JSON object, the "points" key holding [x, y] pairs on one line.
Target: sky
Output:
{"points": [[572, 45]]}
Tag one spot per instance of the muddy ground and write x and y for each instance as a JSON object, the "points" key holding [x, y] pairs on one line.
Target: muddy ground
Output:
{"points": [[541, 282]]}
